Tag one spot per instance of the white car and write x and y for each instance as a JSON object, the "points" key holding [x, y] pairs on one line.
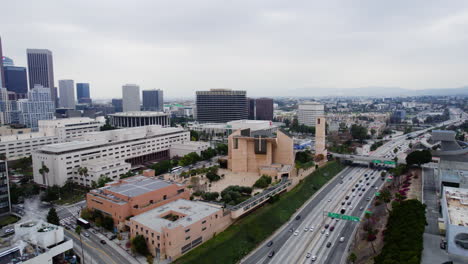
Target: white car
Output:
{"points": [[306, 229], [311, 228], [341, 239], [329, 200], [296, 233], [314, 258], [327, 234], [323, 231]]}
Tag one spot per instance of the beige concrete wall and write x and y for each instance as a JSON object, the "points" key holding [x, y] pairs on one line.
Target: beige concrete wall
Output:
{"points": [[320, 147]]}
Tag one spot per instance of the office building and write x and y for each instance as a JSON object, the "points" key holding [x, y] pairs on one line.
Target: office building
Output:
{"points": [[174, 229], [82, 93], [2, 77], [223, 130], [134, 145], [140, 118], [398, 116], [6, 107], [16, 146], [308, 112], [35, 242], [131, 97], [67, 94], [41, 70], [221, 106], [255, 151], [251, 106], [454, 211], [262, 108], [133, 196], [153, 100], [117, 103], [5, 203], [16, 80], [38, 106]]}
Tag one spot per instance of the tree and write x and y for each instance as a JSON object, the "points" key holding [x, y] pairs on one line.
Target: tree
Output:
{"points": [[352, 257], [194, 135], [43, 171], [358, 132], [107, 125], [372, 131], [395, 150], [52, 217], [210, 196], [78, 231], [103, 180], [263, 182], [212, 176], [139, 245], [222, 149], [418, 157]]}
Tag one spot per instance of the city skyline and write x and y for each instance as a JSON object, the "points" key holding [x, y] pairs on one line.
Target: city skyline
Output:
{"points": [[275, 49]]}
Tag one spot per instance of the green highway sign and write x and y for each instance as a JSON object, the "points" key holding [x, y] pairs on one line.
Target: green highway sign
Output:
{"points": [[377, 194], [377, 161], [368, 212], [389, 162], [344, 217]]}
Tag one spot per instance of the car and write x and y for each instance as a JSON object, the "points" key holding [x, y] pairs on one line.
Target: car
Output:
{"points": [[291, 230], [365, 175], [296, 233], [349, 203], [359, 189], [354, 195], [112, 237], [367, 183], [363, 189], [332, 228], [323, 231], [270, 244], [343, 203], [327, 234], [314, 258], [376, 188], [356, 185], [343, 211], [86, 234], [306, 229], [298, 217], [326, 226], [329, 244], [308, 255], [347, 197], [353, 189], [341, 182], [329, 200], [361, 208], [272, 253], [103, 241], [372, 177], [94, 231], [360, 180], [341, 239], [350, 208], [368, 199]]}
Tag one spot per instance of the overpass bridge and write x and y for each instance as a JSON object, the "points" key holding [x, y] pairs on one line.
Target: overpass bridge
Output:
{"points": [[365, 159]]}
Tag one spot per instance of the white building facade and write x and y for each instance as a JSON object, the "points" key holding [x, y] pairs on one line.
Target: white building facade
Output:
{"points": [[308, 112], [131, 97], [67, 94], [131, 145], [38, 106], [140, 118]]}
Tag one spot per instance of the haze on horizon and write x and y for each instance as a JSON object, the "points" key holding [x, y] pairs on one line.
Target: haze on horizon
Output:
{"points": [[268, 48]]}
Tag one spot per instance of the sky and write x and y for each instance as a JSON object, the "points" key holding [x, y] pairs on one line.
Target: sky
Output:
{"points": [[268, 47]]}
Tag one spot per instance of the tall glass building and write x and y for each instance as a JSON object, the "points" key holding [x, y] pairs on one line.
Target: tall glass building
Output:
{"points": [[221, 106], [82, 93], [153, 100], [16, 79]]}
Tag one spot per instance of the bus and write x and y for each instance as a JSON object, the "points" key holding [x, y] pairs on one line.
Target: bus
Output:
{"points": [[83, 223], [175, 169]]}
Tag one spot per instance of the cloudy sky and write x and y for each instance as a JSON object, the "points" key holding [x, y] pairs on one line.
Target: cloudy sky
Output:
{"points": [[268, 48]]}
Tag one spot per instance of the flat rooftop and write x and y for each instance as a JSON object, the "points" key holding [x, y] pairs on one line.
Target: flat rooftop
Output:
{"points": [[137, 185], [193, 211], [140, 114], [457, 205]]}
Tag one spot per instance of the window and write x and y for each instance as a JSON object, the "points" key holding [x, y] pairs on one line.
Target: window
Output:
{"points": [[203, 222], [203, 229], [187, 238], [187, 230]]}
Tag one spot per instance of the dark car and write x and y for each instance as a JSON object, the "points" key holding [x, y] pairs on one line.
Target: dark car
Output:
{"points": [[347, 197], [298, 217], [367, 183], [353, 189], [332, 228], [343, 211], [270, 243], [343, 203], [363, 189], [328, 244], [272, 253], [326, 226], [349, 203], [341, 182], [356, 185], [103, 242]]}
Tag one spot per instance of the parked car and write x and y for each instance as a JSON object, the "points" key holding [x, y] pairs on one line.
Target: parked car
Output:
{"points": [[103, 242]]}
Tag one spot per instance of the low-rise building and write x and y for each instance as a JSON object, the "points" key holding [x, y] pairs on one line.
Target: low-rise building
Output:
{"points": [[140, 118], [175, 228], [50, 132], [226, 129], [133, 145], [455, 211], [133, 196], [182, 149]]}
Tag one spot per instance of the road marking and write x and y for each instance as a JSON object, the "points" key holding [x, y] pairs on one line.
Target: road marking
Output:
{"points": [[100, 250]]}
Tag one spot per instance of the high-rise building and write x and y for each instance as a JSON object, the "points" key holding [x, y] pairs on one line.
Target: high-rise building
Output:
{"points": [[264, 109], [7, 62], [117, 103], [38, 106], [82, 93], [308, 112], [16, 80], [221, 105], [131, 97], [41, 70], [2, 77], [251, 107], [153, 100], [67, 94]]}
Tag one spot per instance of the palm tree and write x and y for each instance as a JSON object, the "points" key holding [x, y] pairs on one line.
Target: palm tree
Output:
{"points": [[78, 231], [43, 171]]}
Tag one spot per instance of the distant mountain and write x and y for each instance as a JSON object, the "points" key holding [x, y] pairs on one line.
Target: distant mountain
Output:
{"points": [[376, 91]]}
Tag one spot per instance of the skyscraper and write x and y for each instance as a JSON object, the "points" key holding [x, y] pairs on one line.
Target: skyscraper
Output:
{"points": [[2, 77], [221, 105], [16, 80], [153, 100], [264, 109], [41, 70], [131, 97], [251, 107], [67, 94], [82, 93], [117, 103], [38, 106]]}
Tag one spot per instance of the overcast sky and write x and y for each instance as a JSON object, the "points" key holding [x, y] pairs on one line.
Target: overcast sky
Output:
{"points": [[265, 47]]}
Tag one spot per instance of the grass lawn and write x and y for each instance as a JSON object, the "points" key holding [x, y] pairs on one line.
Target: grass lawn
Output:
{"points": [[7, 220], [243, 236], [70, 198]]}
